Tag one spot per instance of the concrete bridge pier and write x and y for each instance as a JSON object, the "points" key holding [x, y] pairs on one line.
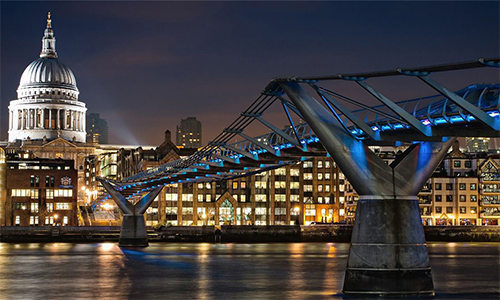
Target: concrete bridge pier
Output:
{"points": [[388, 254], [133, 231]]}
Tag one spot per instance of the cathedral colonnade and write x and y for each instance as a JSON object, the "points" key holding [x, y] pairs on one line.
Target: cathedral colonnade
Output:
{"points": [[46, 118]]}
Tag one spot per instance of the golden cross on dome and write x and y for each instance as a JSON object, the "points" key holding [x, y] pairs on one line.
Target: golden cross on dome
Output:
{"points": [[49, 21]]}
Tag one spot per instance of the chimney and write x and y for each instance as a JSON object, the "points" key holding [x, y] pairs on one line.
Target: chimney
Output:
{"points": [[168, 136]]}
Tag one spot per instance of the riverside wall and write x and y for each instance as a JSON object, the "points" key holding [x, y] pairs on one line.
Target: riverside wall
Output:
{"points": [[238, 234]]}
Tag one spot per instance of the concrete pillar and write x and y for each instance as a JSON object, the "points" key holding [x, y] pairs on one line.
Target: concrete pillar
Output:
{"points": [[388, 255], [133, 231]]}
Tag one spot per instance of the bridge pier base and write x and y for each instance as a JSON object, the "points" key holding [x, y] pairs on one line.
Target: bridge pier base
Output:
{"points": [[388, 255], [133, 231]]}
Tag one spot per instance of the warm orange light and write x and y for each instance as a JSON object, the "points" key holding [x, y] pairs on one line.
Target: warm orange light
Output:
{"points": [[56, 216], [107, 206]]}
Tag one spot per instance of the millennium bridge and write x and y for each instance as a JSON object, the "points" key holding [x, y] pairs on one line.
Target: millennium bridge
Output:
{"points": [[388, 253]]}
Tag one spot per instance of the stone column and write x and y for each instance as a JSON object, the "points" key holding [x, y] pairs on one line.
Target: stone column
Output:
{"points": [[58, 122], [25, 119], [50, 119], [16, 120], [43, 118], [83, 121]]}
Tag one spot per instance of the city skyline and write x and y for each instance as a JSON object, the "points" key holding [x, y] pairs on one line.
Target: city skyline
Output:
{"points": [[164, 61]]}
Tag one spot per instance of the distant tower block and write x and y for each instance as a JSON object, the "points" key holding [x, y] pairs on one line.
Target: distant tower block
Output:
{"points": [[97, 129], [189, 133]]}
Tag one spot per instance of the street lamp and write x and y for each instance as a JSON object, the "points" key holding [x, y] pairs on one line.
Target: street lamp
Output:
{"points": [[296, 209]]}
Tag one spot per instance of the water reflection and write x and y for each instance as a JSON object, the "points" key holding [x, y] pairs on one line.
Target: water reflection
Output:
{"points": [[220, 271]]}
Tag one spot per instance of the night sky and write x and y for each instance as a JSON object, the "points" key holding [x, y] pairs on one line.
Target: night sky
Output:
{"points": [[144, 66]]}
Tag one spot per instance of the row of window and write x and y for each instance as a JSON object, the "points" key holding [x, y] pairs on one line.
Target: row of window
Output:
{"points": [[320, 163], [239, 198], [309, 188], [449, 209], [473, 187], [458, 164], [35, 180], [49, 193], [461, 186], [34, 207], [34, 220]]}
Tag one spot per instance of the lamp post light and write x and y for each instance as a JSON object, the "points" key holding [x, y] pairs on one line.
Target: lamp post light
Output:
{"points": [[108, 208], [204, 217], [296, 209]]}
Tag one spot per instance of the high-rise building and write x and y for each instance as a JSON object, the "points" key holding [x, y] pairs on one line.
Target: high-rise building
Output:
{"points": [[477, 144], [97, 129], [189, 133]]}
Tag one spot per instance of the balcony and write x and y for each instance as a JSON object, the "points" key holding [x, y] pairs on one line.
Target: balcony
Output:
{"points": [[488, 214], [426, 189], [490, 190], [424, 201], [490, 202]]}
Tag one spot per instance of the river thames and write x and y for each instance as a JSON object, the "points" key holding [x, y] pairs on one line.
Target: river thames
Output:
{"points": [[221, 271]]}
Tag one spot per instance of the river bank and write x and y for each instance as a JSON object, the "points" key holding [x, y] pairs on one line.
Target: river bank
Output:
{"points": [[238, 234]]}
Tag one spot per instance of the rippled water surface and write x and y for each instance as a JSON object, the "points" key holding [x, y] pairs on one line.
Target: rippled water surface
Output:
{"points": [[221, 271]]}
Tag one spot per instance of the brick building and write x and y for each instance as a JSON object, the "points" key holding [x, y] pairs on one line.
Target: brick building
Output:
{"points": [[40, 191]]}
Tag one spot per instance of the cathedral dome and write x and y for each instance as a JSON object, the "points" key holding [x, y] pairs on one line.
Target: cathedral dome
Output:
{"points": [[47, 105], [47, 72]]}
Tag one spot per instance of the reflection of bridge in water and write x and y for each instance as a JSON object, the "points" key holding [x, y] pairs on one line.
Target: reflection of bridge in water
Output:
{"points": [[388, 254]]}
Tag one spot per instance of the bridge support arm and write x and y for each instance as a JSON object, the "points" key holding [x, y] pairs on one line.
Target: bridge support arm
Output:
{"points": [[354, 158], [133, 231]]}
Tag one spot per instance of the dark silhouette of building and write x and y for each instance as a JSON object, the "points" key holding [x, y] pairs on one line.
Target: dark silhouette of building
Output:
{"points": [[97, 129], [189, 133]]}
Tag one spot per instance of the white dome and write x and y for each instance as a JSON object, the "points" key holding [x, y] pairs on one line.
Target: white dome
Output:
{"points": [[47, 72]]}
